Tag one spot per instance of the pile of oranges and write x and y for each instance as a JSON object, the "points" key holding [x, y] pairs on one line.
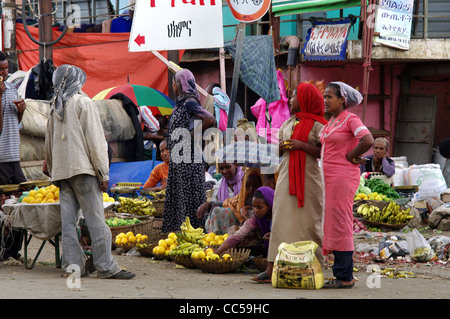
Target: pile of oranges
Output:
{"points": [[49, 194]]}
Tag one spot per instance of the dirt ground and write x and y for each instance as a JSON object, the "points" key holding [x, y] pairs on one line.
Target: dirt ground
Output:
{"points": [[165, 280]]}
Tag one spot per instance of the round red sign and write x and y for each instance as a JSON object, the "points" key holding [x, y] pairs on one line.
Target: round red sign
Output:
{"points": [[248, 10]]}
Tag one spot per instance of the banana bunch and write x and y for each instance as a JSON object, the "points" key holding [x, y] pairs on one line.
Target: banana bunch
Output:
{"points": [[157, 195], [390, 214], [136, 206], [189, 234], [185, 249]]}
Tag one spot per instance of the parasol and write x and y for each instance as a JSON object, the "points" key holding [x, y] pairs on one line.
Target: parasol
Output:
{"points": [[156, 101], [250, 154]]}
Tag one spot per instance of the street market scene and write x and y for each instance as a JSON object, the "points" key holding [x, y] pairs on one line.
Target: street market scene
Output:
{"points": [[225, 150]]}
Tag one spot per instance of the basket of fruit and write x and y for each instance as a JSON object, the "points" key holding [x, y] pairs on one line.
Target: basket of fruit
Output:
{"points": [[129, 240], [120, 225], [384, 214], [230, 261], [134, 207], [162, 244]]}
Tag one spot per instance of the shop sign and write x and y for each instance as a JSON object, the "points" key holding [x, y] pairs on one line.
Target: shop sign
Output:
{"points": [[393, 23], [327, 41], [176, 25]]}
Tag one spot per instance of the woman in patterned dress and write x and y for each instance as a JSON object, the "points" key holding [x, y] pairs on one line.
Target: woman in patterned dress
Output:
{"points": [[185, 191]]}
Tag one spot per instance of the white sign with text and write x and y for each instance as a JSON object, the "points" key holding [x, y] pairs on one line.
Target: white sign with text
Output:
{"points": [[176, 25], [393, 23]]}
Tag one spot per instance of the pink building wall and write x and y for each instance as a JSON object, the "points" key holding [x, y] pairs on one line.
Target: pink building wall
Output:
{"points": [[352, 74]]}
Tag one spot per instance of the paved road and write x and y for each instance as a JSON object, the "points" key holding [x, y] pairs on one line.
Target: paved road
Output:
{"points": [[166, 280]]}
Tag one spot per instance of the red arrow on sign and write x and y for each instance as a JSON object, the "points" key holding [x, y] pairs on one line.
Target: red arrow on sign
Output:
{"points": [[140, 39]]}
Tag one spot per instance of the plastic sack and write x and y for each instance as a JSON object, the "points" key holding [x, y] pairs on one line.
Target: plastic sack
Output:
{"points": [[296, 266], [429, 179], [420, 250], [34, 121], [440, 246]]}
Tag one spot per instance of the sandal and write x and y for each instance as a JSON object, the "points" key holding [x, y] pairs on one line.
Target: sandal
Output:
{"points": [[337, 284], [262, 278]]}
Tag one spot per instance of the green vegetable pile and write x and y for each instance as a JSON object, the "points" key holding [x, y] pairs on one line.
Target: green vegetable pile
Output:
{"points": [[377, 185], [115, 222]]}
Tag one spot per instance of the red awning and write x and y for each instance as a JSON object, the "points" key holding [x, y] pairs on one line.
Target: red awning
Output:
{"points": [[103, 56]]}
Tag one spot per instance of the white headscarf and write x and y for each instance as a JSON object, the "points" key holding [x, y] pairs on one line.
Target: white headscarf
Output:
{"points": [[352, 96]]}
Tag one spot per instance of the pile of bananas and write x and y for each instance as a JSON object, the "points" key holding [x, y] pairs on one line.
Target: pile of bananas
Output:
{"points": [[390, 214], [189, 234], [136, 206], [161, 195]]}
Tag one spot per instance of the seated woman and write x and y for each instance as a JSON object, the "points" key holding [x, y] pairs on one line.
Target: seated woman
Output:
{"points": [[225, 216], [160, 172], [379, 162], [255, 232]]}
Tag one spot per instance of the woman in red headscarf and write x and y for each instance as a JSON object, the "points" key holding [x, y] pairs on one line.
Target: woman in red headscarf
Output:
{"points": [[297, 207]]}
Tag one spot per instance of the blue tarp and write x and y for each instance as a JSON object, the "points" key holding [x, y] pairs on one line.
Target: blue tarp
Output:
{"points": [[130, 172]]}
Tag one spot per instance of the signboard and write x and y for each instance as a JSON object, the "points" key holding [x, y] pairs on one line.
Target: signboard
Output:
{"points": [[176, 25], [393, 22], [327, 41], [248, 10]]}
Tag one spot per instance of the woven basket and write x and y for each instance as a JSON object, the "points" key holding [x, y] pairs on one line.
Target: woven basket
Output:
{"points": [[156, 228], [131, 216], [126, 246], [378, 224], [185, 261], [380, 205], [153, 239], [239, 256], [159, 207], [144, 228]]}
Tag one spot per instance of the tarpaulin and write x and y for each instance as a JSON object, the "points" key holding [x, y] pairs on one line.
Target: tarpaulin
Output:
{"points": [[285, 7], [103, 56]]}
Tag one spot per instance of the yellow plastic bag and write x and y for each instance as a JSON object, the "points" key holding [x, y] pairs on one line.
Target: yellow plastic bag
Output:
{"points": [[296, 266]]}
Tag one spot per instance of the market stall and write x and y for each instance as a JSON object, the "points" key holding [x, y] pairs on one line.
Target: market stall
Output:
{"points": [[42, 221]]}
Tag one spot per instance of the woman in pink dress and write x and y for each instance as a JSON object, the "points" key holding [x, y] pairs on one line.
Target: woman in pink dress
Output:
{"points": [[344, 140]]}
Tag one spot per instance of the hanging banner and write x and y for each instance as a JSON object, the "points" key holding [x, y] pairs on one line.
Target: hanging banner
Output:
{"points": [[393, 22], [248, 10], [176, 25], [327, 40]]}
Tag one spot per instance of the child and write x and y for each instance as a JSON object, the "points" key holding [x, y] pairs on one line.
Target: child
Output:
{"points": [[259, 225], [225, 217]]}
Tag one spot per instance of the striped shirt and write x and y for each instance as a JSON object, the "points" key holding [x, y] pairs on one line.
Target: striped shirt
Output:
{"points": [[9, 135]]}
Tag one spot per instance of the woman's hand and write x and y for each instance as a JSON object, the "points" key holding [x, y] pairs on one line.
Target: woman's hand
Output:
{"points": [[266, 236], [355, 160], [363, 146], [244, 212], [292, 145], [204, 209]]}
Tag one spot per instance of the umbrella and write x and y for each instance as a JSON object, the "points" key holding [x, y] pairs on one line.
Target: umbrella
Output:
{"points": [[250, 154], [141, 95]]}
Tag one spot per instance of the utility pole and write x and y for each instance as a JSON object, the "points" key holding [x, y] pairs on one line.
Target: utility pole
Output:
{"points": [[45, 29], [9, 33]]}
